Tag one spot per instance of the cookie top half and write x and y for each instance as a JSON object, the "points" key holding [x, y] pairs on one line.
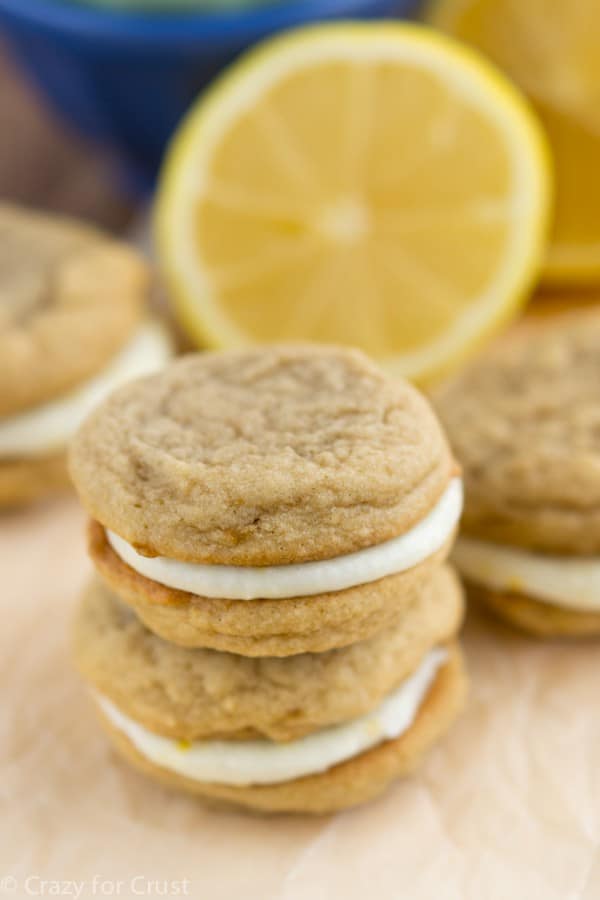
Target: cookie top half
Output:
{"points": [[70, 297], [524, 422], [265, 456]]}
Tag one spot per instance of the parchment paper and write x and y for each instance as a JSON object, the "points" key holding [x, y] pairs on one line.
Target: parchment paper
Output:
{"points": [[507, 807]]}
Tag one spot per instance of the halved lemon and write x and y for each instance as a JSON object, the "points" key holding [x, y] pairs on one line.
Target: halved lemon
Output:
{"points": [[551, 50], [368, 184]]}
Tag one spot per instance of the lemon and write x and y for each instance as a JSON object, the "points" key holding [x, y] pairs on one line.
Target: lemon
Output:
{"points": [[550, 49], [368, 184]]}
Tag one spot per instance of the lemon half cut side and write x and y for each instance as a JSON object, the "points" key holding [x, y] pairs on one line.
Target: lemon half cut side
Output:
{"points": [[369, 184], [550, 50]]}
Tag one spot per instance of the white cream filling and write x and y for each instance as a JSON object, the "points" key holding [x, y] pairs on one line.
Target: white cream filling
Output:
{"points": [[265, 762], [572, 582], [304, 579], [49, 427]]}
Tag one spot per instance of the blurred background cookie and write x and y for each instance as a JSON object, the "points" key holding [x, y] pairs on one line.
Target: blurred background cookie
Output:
{"points": [[73, 326], [524, 420]]}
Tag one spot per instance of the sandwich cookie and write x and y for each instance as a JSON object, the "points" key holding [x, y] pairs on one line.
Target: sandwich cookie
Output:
{"points": [[268, 501], [524, 422], [311, 733], [71, 329]]}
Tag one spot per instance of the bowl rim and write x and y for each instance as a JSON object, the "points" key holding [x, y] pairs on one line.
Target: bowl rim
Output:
{"points": [[96, 22]]}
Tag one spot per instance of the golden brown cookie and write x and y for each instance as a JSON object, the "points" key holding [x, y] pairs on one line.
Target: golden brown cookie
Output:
{"points": [[281, 627], [32, 479], [536, 617], [71, 330], [194, 694], [265, 456], [357, 780], [524, 422], [70, 297]]}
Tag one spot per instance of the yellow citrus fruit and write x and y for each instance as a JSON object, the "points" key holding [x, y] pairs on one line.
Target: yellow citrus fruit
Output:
{"points": [[551, 50], [369, 184]]}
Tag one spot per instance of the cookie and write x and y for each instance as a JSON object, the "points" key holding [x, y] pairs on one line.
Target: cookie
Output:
{"points": [[25, 480], [524, 421], [71, 329], [271, 501], [198, 694], [71, 298], [536, 617], [273, 523], [262, 457], [259, 627], [435, 699]]}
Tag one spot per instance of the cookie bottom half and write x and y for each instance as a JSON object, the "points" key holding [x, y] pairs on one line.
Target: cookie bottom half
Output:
{"points": [[26, 480], [544, 620], [283, 627], [194, 694], [352, 782]]}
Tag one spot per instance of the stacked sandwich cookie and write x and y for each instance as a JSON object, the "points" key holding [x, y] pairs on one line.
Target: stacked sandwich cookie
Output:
{"points": [[524, 421], [72, 328], [274, 624]]}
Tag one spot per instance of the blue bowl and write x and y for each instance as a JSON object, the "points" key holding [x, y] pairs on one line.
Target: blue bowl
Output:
{"points": [[125, 79]]}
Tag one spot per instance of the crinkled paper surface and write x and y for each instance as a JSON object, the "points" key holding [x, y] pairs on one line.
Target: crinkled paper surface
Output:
{"points": [[507, 807]]}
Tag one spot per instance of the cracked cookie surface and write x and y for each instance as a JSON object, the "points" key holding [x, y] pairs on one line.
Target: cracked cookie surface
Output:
{"points": [[265, 456]]}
